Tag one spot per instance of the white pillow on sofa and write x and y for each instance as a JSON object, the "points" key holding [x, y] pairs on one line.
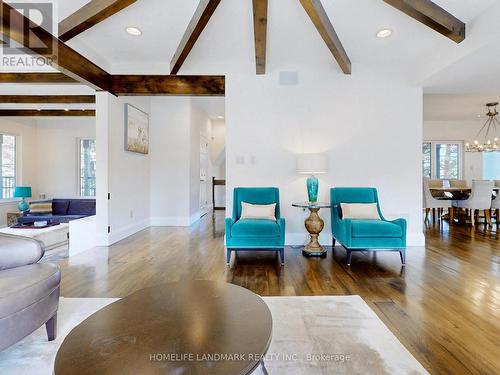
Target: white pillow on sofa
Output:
{"points": [[258, 211], [367, 211]]}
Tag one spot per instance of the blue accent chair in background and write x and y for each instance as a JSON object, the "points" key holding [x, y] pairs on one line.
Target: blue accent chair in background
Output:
{"points": [[255, 234], [365, 235]]}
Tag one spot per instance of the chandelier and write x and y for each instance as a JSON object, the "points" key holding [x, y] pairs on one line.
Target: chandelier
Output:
{"points": [[487, 138]]}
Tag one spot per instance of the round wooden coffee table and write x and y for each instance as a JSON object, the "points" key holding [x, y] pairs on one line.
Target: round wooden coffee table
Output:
{"points": [[191, 327]]}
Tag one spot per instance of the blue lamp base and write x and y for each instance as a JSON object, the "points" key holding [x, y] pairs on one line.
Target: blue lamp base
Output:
{"points": [[312, 189], [23, 205]]}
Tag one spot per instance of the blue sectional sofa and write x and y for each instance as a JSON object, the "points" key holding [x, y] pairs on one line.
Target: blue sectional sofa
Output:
{"points": [[63, 211]]}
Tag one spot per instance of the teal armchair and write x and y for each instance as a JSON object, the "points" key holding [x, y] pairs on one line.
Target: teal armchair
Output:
{"points": [[365, 235], [255, 234]]}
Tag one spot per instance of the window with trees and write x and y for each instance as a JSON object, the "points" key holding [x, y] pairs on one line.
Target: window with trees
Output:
{"points": [[442, 159], [87, 167], [7, 165]]}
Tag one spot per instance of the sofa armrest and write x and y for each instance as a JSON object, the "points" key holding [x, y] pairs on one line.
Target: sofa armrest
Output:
{"points": [[282, 224], [403, 224], [228, 224], [16, 251], [342, 231]]}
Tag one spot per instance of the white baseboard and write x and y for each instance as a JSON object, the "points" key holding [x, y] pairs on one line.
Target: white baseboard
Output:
{"points": [[124, 232], [165, 221], [177, 221], [415, 239]]}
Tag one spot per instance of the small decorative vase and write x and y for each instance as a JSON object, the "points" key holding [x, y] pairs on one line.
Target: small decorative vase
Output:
{"points": [[23, 206], [312, 189]]}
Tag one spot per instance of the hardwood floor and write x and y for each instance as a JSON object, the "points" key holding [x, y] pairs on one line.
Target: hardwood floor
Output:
{"points": [[444, 306]]}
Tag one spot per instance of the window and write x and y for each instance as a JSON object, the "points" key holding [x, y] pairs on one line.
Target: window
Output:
{"points": [[7, 165], [442, 160], [447, 161], [427, 160], [491, 165], [87, 161]]}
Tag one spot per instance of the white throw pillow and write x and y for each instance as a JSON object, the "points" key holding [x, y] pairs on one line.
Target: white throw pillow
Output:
{"points": [[366, 211], [258, 211]]}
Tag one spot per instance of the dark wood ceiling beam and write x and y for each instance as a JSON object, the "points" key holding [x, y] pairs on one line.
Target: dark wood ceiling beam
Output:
{"points": [[320, 19], [64, 58], [47, 99], [196, 26], [260, 34], [432, 15], [36, 78], [46, 112], [150, 85], [90, 15]]}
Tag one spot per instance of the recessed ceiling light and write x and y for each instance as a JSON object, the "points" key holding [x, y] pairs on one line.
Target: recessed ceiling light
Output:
{"points": [[384, 33], [220, 117], [134, 31], [478, 115]]}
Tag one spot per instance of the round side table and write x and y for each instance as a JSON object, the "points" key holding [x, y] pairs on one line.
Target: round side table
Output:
{"points": [[314, 225]]}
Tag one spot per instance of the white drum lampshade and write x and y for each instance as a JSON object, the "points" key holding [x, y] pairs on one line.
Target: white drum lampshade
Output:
{"points": [[312, 164]]}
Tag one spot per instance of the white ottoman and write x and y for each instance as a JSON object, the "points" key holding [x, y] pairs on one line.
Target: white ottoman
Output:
{"points": [[51, 237]]}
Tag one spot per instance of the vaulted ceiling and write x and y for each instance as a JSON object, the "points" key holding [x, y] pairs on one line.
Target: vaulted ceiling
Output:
{"points": [[229, 33], [293, 41]]}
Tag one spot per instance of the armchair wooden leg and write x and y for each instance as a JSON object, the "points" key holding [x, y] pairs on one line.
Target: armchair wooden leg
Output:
{"points": [[498, 215], [452, 214], [433, 215], [349, 257], [487, 216], [282, 256], [51, 327], [333, 243], [402, 254], [228, 256]]}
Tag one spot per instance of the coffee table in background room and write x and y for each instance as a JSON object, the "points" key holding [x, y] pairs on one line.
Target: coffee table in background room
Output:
{"points": [[168, 329], [52, 237]]}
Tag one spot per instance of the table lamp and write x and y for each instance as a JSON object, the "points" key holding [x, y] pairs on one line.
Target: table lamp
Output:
{"points": [[23, 192], [312, 164]]}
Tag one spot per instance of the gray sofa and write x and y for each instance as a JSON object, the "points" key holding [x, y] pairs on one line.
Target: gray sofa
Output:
{"points": [[29, 291]]}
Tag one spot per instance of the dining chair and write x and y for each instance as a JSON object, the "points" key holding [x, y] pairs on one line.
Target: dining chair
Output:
{"points": [[479, 199], [437, 183], [495, 204], [430, 202], [458, 183]]}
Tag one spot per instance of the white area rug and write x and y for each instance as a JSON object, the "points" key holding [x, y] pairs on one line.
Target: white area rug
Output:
{"points": [[311, 335]]}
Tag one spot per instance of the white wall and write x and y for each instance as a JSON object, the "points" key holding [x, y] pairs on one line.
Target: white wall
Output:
{"points": [[464, 131], [57, 154], [198, 125], [369, 126], [170, 154], [218, 158], [125, 175]]}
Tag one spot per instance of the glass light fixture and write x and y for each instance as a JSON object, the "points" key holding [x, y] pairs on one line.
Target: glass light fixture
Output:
{"points": [[312, 164], [487, 137]]}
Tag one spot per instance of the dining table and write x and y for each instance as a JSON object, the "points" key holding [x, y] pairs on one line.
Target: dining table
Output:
{"points": [[454, 193]]}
